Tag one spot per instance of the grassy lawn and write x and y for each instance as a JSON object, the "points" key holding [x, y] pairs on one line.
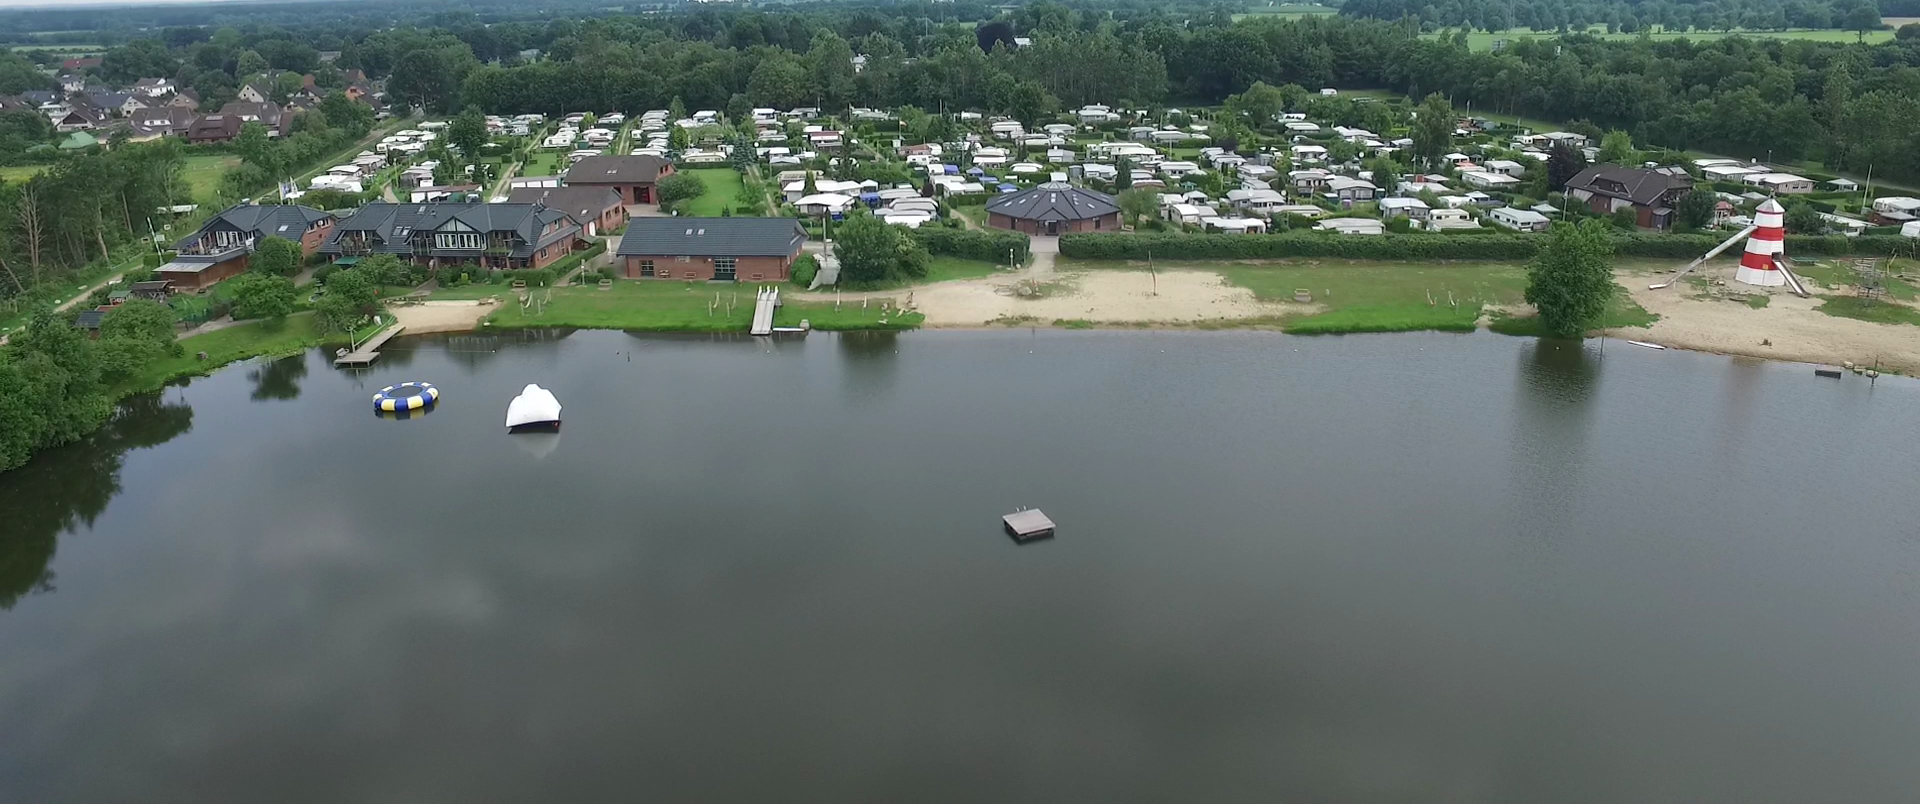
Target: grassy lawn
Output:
{"points": [[1832, 274], [203, 173], [20, 172], [1879, 312], [545, 163], [663, 306], [723, 191], [298, 331], [1481, 40], [1389, 297], [941, 269]]}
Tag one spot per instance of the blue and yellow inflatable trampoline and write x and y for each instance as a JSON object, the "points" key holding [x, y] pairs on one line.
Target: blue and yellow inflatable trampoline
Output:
{"points": [[406, 396]]}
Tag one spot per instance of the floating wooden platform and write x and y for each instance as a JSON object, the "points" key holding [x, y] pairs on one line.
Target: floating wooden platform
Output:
{"points": [[369, 351], [1828, 373], [1028, 525]]}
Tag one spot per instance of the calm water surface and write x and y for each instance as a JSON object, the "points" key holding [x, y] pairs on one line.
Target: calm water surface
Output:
{"points": [[1429, 568]]}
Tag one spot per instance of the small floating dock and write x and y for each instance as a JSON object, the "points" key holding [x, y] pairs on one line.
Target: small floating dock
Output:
{"points": [[1028, 525], [369, 351]]}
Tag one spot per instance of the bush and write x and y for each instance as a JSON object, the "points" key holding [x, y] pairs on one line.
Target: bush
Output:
{"points": [[804, 269], [988, 245], [562, 266]]}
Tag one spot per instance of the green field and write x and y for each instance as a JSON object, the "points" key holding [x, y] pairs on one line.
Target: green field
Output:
{"points": [[545, 163], [942, 269], [663, 306], [723, 192], [1876, 311], [1481, 40], [294, 333], [203, 174], [1384, 296], [20, 172]]}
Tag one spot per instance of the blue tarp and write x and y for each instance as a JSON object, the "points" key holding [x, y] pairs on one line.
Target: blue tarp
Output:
{"points": [[974, 171], [952, 170]]}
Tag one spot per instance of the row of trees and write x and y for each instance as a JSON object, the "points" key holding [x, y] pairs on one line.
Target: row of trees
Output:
{"points": [[1623, 16], [79, 209]]}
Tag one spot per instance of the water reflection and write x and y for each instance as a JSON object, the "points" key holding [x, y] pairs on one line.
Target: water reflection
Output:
{"points": [[872, 360], [65, 487], [278, 379], [1557, 379]]}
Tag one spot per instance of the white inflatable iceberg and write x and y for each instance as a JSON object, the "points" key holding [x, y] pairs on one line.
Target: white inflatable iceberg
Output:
{"points": [[534, 408]]}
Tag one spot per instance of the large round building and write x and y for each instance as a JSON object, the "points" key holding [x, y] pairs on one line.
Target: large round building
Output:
{"points": [[1054, 208]]}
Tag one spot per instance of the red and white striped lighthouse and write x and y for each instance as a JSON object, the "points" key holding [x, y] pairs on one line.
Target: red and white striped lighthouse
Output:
{"points": [[1768, 241]]}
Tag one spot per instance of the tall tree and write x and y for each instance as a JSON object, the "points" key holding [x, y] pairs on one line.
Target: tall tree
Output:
{"points": [[1571, 280], [1617, 147], [1432, 131], [468, 132], [275, 256], [1563, 163]]}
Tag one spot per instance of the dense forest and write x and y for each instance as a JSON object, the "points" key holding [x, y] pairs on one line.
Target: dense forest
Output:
{"points": [[1621, 16]]}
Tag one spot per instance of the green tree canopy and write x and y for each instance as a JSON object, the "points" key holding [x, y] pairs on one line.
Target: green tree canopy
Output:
{"points": [[275, 256], [1571, 280], [468, 132], [260, 295], [873, 252], [1432, 131]]}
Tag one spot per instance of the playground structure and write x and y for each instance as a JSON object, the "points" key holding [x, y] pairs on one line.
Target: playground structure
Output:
{"points": [[1764, 263]]}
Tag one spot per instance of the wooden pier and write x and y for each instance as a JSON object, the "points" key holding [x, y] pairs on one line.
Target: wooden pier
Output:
{"points": [[369, 351], [1028, 525]]}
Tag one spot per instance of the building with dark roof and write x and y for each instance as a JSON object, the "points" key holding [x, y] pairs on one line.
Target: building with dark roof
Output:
{"points": [[1650, 193], [505, 235], [223, 245], [1054, 208], [599, 209], [712, 249], [633, 177]]}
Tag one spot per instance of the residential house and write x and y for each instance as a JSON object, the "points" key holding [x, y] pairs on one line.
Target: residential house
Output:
{"points": [[599, 209], [490, 235], [633, 177], [711, 249], [184, 98], [1441, 220], [1352, 226], [1894, 210], [1310, 181], [1191, 214], [1780, 183], [1342, 188], [1412, 208], [277, 121], [78, 118], [161, 121], [1650, 193], [1521, 220], [119, 104], [255, 92], [1256, 200], [213, 128], [1488, 180], [1505, 167], [223, 245]]}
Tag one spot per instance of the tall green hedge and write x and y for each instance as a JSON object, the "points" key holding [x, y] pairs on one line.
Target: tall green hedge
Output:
{"points": [[991, 245], [1430, 246]]}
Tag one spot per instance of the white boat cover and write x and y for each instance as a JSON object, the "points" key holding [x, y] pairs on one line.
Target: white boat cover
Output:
{"points": [[534, 405]]}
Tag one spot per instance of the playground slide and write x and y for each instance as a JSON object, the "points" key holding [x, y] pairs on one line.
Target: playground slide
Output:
{"points": [[1793, 280], [1737, 237]]}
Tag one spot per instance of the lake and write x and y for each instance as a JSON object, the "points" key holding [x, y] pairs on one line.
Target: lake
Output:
{"points": [[1420, 567]]}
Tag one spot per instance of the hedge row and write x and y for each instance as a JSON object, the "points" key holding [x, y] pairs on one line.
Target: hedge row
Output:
{"points": [[973, 244], [1430, 246]]}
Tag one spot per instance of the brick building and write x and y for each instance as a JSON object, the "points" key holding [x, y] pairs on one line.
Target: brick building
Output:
{"points": [[222, 247], [711, 249], [1054, 208], [633, 177]]}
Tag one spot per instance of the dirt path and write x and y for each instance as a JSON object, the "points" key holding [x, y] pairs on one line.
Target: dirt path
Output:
{"points": [[87, 293], [1788, 328]]}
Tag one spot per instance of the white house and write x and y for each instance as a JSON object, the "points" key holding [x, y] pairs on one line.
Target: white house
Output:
{"points": [[1302, 127], [1059, 156], [1505, 167], [1194, 214], [1352, 226], [1732, 172], [1309, 153], [1521, 220], [1488, 180], [1235, 225], [1851, 227], [1782, 183], [1441, 220], [1408, 207], [1897, 207], [1175, 170], [820, 204], [1256, 200], [1347, 189], [1095, 113], [1910, 229]]}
